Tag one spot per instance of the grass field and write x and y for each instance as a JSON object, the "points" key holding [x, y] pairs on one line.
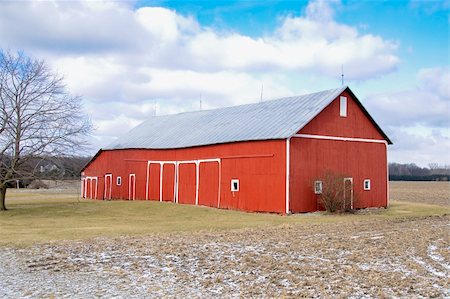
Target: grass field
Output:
{"points": [[40, 216], [426, 192], [55, 245]]}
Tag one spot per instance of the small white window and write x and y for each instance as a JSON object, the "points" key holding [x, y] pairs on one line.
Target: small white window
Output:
{"points": [[343, 105], [234, 185], [318, 187], [367, 184], [119, 181]]}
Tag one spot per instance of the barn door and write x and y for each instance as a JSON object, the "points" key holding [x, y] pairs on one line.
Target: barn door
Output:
{"points": [[94, 189], [348, 193], [208, 189], [187, 186], [168, 182], [89, 188], [154, 183], [108, 186], [84, 188], [132, 186]]}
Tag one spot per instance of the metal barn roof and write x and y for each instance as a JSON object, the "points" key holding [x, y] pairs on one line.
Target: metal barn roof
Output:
{"points": [[276, 119]]}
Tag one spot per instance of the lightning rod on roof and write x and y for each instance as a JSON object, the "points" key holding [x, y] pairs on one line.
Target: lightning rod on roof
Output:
{"points": [[262, 89], [342, 74], [200, 102]]}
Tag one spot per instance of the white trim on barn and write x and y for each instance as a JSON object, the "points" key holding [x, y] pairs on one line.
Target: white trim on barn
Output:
{"points": [[110, 186], [197, 180], [288, 161], [310, 136], [96, 186], [89, 180], [220, 179], [82, 187], [161, 170], [146, 181], [387, 177], [178, 174], [132, 175], [176, 179]]}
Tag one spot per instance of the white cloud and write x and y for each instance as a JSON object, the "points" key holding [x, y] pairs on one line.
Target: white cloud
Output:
{"points": [[427, 104], [160, 37], [417, 120], [320, 10], [436, 80], [165, 24], [126, 61], [422, 149]]}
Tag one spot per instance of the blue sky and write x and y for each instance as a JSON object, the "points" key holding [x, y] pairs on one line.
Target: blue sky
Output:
{"points": [[422, 27], [132, 59]]}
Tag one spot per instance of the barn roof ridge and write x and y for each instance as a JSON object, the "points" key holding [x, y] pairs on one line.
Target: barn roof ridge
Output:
{"points": [[273, 119], [250, 104]]}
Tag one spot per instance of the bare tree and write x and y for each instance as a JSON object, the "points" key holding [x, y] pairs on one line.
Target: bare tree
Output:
{"points": [[39, 119]]}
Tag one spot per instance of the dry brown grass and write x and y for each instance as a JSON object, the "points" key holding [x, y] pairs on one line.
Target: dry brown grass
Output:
{"points": [[40, 216], [403, 258], [148, 249], [424, 192]]}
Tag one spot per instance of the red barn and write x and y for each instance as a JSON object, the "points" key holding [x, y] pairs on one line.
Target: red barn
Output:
{"points": [[256, 157]]}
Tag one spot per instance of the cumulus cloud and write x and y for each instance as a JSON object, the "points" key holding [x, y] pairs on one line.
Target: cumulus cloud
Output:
{"points": [[417, 120], [124, 61], [428, 104], [422, 149], [436, 80], [161, 37]]}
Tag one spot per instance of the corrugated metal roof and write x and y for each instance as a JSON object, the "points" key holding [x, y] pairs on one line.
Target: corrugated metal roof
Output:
{"points": [[276, 119]]}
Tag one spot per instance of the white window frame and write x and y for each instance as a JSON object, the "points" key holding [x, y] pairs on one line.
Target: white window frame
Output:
{"points": [[118, 180], [233, 182], [320, 189], [368, 187], [343, 105]]}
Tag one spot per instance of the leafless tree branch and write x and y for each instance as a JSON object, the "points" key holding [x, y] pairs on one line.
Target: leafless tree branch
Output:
{"points": [[39, 119]]}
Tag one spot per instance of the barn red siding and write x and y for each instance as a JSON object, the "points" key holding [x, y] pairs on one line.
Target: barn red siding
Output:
{"points": [[311, 158], [329, 123], [259, 165], [186, 183], [168, 182], [154, 179], [208, 192]]}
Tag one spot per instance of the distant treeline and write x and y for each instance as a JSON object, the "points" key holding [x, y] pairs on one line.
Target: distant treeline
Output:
{"points": [[46, 167], [412, 172], [62, 167]]}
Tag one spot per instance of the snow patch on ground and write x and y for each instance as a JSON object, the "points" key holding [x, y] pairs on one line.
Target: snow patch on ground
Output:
{"points": [[362, 260]]}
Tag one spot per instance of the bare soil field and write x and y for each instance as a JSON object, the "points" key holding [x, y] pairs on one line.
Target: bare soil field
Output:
{"points": [[55, 245], [399, 258], [426, 192]]}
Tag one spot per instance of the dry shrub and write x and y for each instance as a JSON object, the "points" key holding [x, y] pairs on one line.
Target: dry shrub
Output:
{"points": [[37, 184], [333, 193]]}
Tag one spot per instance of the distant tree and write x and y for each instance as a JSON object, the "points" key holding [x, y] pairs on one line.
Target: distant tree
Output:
{"points": [[433, 166], [39, 119], [412, 172], [410, 169]]}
